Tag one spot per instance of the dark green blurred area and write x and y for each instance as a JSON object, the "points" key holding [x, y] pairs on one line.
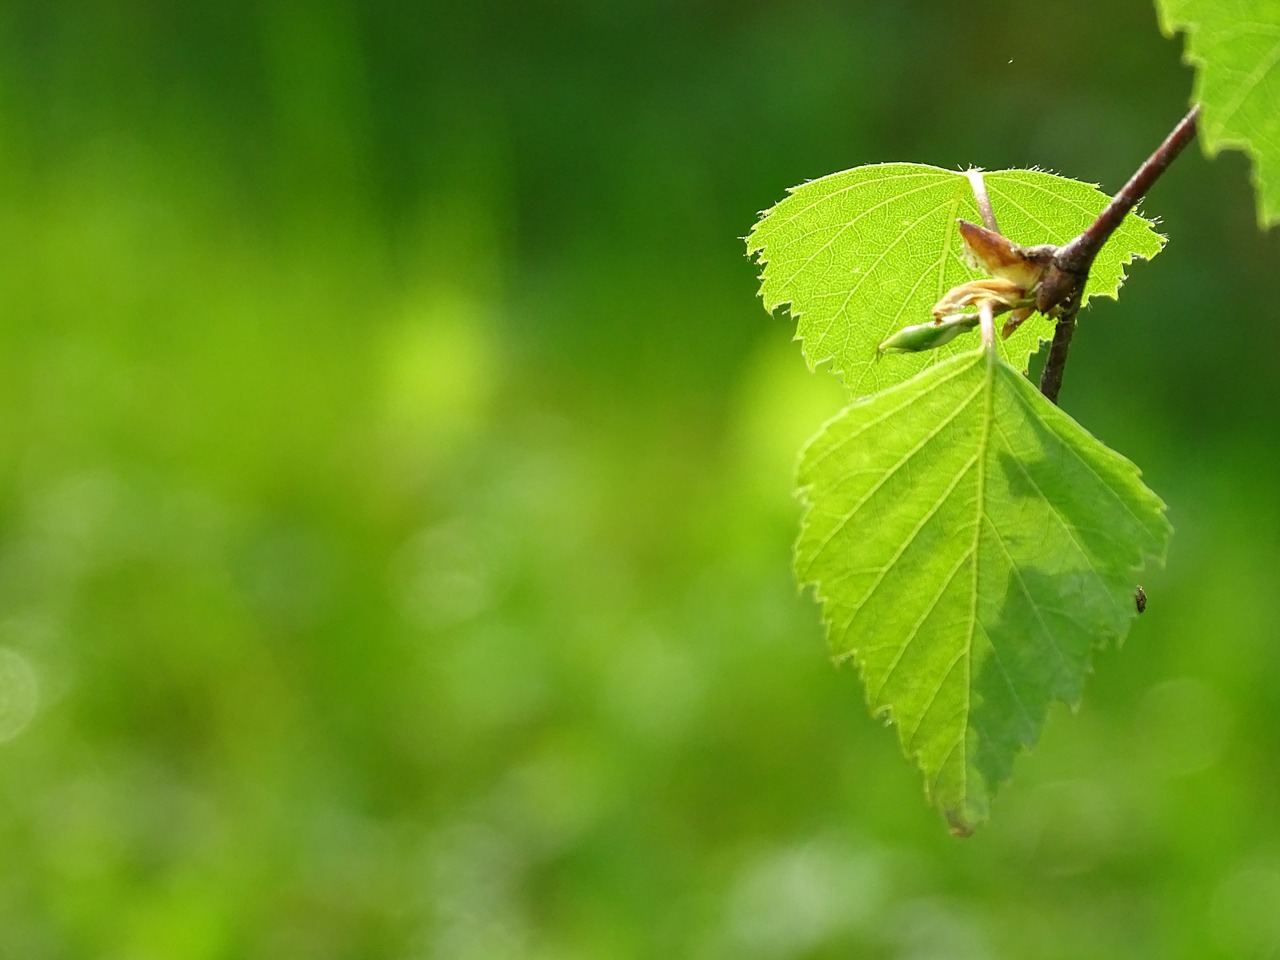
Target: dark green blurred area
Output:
{"points": [[395, 515]]}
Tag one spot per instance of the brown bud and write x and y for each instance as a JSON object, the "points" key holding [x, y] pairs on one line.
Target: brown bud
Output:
{"points": [[998, 256], [1015, 320], [1000, 293]]}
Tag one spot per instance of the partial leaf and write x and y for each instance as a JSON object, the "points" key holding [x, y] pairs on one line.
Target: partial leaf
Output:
{"points": [[971, 546], [1235, 47], [858, 255]]}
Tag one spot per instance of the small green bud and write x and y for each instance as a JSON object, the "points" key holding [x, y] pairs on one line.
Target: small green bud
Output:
{"points": [[928, 336]]}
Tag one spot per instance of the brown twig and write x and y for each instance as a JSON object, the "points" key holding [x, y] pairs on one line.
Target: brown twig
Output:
{"points": [[1062, 289], [1056, 363]]}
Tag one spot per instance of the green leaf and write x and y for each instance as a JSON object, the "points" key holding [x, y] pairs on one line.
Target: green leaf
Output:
{"points": [[858, 255], [971, 546], [1235, 47]]}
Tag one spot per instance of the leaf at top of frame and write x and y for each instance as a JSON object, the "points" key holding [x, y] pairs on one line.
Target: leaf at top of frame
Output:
{"points": [[1235, 48]]}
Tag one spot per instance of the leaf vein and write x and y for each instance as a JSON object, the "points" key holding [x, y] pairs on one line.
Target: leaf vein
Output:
{"points": [[892, 472]]}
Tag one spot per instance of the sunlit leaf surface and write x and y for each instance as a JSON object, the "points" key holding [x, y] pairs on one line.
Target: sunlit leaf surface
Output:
{"points": [[858, 255]]}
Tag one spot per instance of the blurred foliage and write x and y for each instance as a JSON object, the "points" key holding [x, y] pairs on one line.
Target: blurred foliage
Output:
{"points": [[395, 506]]}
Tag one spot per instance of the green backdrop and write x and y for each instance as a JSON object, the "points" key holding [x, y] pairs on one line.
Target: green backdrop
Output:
{"points": [[395, 511]]}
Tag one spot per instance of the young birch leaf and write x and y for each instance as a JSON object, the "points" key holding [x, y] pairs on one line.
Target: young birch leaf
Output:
{"points": [[1235, 47], [971, 546], [858, 255]]}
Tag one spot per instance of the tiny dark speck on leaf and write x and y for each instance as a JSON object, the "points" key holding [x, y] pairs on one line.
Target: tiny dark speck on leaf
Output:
{"points": [[1140, 599]]}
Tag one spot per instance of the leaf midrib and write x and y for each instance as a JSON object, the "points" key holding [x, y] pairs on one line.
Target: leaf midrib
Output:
{"points": [[984, 444]]}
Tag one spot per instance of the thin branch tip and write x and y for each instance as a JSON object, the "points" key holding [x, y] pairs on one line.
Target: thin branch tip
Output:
{"points": [[1062, 290]]}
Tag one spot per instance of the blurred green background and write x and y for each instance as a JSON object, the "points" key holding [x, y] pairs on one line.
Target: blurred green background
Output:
{"points": [[395, 509]]}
